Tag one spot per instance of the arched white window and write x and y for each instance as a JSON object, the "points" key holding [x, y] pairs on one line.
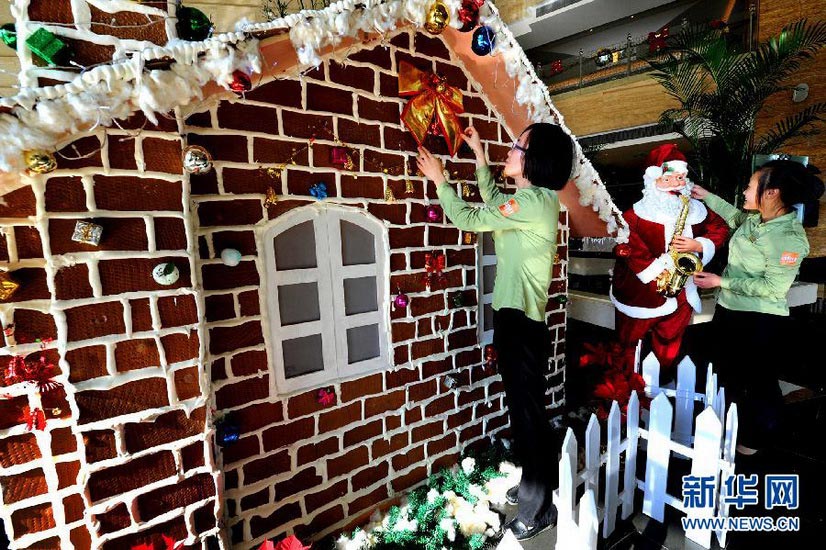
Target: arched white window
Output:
{"points": [[486, 274], [327, 296]]}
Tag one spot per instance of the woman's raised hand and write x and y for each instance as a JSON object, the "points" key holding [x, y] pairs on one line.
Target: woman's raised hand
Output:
{"points": [[430, 166], [470, 135], [698, 192]]}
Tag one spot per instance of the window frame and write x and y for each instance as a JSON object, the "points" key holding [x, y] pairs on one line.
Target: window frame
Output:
{"points": [[483, 260], [333, 323]]}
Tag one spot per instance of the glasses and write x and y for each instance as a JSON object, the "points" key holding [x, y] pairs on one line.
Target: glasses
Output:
{"points": [[517, 147]]}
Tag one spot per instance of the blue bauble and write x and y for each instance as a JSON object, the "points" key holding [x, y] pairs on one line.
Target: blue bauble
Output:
{"points": [[484, 39], [228, 431]]}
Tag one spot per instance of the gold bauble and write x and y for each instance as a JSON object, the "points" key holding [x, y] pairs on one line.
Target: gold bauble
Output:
{"points": [[40, 161], [437, 18]]}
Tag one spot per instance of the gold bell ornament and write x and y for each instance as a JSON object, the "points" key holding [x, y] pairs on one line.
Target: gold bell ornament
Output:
{"points": [[437, 18], [40, 161]]}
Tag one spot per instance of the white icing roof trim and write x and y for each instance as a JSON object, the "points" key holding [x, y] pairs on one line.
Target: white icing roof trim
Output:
{"points": [[96, 97]]}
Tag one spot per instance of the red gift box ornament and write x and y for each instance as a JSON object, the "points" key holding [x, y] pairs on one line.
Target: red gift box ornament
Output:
{"points": [[340, 158], [433, 104]]}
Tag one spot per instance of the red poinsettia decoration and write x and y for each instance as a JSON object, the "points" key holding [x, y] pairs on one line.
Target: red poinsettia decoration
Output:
{"points": [[326, 396], [618, 386], [289, 543], [617, 377], [656, 40], [39, 372]]}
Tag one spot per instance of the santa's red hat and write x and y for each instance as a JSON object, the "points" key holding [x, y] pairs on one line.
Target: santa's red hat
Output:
{"points": [[668, 157]]}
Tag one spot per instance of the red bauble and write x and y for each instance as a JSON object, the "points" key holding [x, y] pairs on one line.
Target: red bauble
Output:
{"points": [[469, 14], [240, 82], [434, 213]]}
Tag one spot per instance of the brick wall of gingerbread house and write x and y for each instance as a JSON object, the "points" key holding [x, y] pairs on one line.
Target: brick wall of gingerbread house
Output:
{"points": [[300, 466], [126, 455]]}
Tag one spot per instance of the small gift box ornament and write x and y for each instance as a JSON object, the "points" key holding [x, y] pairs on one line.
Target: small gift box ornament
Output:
{"points": [[87, 233], [341, 158], [7, 289], [47, 46]]}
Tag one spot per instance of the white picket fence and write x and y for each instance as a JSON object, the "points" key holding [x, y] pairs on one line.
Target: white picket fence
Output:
{"points": [[668, 430]]}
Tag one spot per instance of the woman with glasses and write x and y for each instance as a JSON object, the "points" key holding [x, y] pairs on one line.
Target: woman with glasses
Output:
{"points": [[524, 226]]}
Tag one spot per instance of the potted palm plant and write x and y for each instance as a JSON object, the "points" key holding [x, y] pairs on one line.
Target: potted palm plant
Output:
{"points": [[721, 89]]}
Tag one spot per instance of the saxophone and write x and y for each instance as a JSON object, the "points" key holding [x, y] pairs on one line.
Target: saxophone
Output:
{"points": [[686, 264]]}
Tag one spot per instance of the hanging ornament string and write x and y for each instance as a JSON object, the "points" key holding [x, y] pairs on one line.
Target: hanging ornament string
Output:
{"points": [[82, 156], [275, 172]]}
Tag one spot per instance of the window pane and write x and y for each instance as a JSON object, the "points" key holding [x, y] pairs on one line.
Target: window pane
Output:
{"points": [[298, 303], [488, 277], [488, 315], [360, 295], [357, 245], [303, 355], [488, 248], [362, 343], [295, 248]]}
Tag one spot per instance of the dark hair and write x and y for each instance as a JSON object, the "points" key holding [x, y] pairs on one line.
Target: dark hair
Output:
{"points": [[550, 156], [795, 182]]}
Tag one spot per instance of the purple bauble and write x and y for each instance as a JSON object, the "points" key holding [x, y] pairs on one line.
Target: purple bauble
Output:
{"points": [[434, 213], [401, 301]]}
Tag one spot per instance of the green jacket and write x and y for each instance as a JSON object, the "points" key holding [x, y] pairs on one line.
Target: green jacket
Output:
{"points": [[524, 229], [763, 260]]}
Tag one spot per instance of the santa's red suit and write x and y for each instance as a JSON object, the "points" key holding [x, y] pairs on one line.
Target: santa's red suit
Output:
{"points": [[639, 307]]}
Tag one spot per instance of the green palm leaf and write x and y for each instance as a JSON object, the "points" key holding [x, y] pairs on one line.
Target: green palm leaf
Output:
{"points": [[799, 124], [721, 90]]}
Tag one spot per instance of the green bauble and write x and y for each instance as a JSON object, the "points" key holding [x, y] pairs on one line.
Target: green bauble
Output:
{"points": [[8, 33], [193, 25]]}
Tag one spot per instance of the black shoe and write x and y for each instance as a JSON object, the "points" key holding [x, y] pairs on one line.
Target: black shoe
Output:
{"points": [[523, 532], [512, 496]]}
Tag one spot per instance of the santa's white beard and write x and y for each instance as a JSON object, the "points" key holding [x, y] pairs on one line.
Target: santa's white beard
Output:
{"points": [[664, 203]]}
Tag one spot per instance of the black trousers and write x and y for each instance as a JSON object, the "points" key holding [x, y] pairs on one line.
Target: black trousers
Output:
{"points": [[522, 352], [748, 358]]}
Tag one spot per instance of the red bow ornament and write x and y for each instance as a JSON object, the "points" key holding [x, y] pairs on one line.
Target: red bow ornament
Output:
{"points": [[433, 100], [434, 264]]}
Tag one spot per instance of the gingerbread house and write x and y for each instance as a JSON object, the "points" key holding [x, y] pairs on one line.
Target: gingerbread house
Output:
{"points": [[238, 312]]}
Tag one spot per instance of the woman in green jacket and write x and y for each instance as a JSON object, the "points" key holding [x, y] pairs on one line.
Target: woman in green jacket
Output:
{"points": [[524, 226], [764, 258]]}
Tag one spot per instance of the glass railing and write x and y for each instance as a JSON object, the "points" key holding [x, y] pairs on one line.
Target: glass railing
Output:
{"points": [[620, 60]]}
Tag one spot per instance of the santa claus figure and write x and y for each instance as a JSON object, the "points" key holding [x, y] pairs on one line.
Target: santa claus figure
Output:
{"points": [[646, 262]]}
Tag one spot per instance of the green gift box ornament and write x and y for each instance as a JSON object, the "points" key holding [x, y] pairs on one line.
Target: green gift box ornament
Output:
{"points": [[47, 46]]}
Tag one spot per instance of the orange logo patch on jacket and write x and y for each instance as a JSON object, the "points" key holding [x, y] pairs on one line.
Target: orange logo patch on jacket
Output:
{"points": [[509, 208], [789, 258]]}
